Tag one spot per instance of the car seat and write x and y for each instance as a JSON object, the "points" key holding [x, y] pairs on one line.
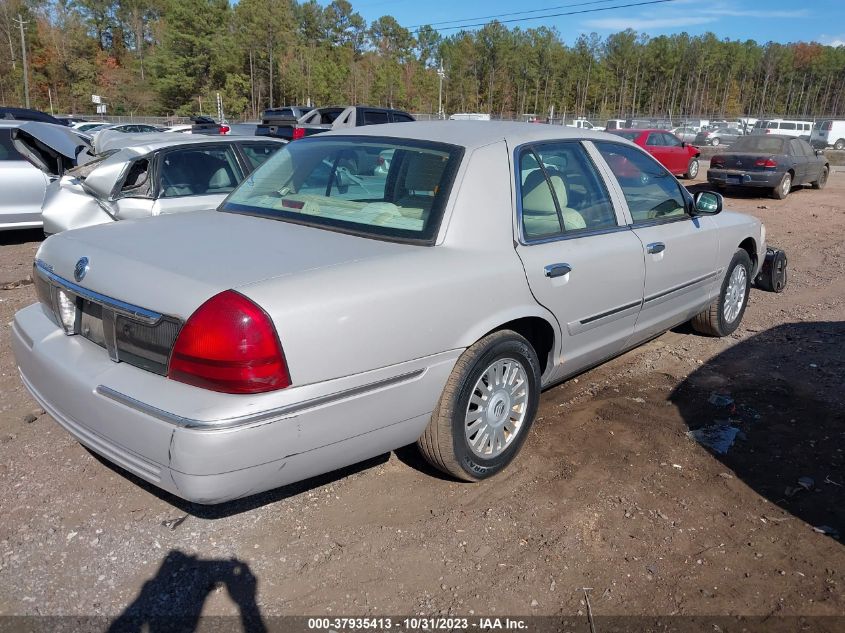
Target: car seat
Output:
{"points": [[539, 214], [423, 172]]}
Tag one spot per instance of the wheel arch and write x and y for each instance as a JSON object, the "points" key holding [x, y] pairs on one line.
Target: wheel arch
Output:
{"points": [[540, 331], [749, 245]]}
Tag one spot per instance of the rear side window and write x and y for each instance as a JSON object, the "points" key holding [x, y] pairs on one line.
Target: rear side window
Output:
{"points": [[651, 191], [374, 117], [795, 148], [7, 150], [400, 117], [197, 172], [786, 125], [773, 125], [257, 153], [561, 192]]}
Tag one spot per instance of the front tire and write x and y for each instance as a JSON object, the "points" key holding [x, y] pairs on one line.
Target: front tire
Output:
{"points": [[486, 409], [692, 169], [784, 187], [715, 141], [724, 314], [822, 179]]}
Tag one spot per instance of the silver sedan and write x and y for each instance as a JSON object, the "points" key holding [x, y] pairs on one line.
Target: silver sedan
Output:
{"points": [[327, 313]]}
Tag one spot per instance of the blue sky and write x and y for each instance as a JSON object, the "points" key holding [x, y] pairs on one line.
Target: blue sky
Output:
{"points": [[761, 20]]}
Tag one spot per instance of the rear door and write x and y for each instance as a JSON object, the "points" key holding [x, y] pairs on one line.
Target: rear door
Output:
{"points": [[799, 161], [581, 261], [22, 186], [681, 251]]}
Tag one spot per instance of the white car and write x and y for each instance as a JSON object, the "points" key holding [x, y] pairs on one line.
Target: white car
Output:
{"points": [[321, 316]]}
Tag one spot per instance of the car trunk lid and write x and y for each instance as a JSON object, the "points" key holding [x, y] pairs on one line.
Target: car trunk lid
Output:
{"points": [[173, 263], [52, 148]]}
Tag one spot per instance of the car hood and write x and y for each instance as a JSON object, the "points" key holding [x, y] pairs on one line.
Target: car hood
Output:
{"points": [[52, 148], [174, 263]]}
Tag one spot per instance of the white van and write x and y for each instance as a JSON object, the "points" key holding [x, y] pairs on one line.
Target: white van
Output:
{"points": [[469, 116], [827, 133], [782, 126]]}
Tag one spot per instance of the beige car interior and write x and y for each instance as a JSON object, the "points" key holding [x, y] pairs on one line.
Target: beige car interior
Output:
{"points": [[539, 213]]}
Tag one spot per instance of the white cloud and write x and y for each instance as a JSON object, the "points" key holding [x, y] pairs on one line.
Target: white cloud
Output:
{"points": [[832, 40], [737, 13], [644, 24]]}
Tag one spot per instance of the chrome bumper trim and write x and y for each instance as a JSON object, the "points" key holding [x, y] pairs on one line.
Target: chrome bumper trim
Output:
{"points": [[253, 418], [127, 309]]}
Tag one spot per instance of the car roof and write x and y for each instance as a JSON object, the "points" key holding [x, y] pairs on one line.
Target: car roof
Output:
{"points": [[142, 146], [475, 134]]}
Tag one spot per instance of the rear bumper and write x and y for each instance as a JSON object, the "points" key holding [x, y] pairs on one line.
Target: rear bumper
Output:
{"points": [[739, 178], [207, 447]]}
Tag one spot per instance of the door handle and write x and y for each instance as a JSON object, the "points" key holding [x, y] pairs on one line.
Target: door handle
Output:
{"points": [[655, 247], [557, 270]]}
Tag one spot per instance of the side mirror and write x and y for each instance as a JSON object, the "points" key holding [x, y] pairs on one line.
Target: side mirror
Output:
{"points": [[707, 203]]}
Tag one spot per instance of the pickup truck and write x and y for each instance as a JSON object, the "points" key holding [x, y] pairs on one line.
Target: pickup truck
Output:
{"points": [[325, 119]]}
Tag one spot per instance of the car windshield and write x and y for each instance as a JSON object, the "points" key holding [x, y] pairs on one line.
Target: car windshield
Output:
{"points": [[628, 135], [345, 184], [759, 145]]}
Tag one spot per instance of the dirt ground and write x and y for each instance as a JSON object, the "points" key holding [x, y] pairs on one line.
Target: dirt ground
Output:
{"points": [[609, 492]]}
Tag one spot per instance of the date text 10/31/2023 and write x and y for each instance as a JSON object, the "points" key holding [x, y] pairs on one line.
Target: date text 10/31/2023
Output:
{"points": [[415, 624]]}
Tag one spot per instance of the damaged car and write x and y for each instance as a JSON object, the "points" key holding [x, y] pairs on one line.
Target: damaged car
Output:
{"points": [[182, 173], [32, 155]]}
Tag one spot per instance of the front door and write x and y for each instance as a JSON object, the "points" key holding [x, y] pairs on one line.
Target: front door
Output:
{"points": [[195, 178], [681, 251], [581, 261]]}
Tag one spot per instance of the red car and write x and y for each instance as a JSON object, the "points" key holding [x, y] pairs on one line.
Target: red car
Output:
{"points": [[674, 154]]}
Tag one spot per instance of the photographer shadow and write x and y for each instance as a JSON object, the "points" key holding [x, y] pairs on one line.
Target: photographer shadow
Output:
{"points": [[783, 405], [172, 601]]}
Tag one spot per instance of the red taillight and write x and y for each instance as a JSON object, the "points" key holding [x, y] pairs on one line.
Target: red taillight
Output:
{"points": [[298, 133], [229, 344], [224, 129], [765, 162], [717, 160]]}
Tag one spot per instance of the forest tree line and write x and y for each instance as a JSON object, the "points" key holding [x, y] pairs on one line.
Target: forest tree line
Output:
{"points": [[171, 57]]}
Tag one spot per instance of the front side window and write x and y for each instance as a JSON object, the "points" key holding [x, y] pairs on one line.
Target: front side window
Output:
{"points": [[339, 183], [670, 140], [652, 192], [655, 139], [199, 172], [561, 192]]}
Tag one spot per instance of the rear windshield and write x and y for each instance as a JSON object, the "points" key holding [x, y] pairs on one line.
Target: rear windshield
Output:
{"points": [[758, 144], [628, 135], [377, 187]]}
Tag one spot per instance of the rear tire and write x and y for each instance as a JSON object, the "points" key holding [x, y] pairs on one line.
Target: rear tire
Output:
{"points": [[822, 180], [840, 144], [715, 141], [724, 314], [692, 169], [493, 392], [784, 187]]}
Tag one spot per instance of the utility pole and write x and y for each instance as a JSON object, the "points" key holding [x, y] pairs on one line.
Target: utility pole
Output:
{"points": [[23, 55], [441, 74]]}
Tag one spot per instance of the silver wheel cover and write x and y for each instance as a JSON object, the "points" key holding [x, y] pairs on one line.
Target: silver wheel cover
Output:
{"points": [[497, 408]]}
